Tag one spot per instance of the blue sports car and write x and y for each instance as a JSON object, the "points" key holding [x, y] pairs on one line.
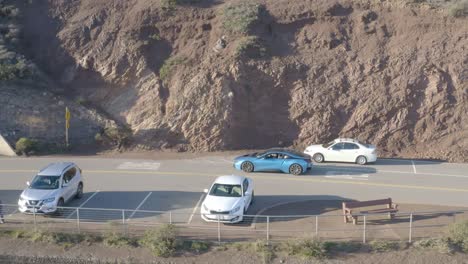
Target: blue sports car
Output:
{"points": [[285, 160]]}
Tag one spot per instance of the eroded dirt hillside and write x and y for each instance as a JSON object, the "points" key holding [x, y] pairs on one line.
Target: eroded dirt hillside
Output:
{"points": [[204, 75]]}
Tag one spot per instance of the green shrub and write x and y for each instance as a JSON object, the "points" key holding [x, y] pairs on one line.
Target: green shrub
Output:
{"points": [[238, 18], [308, 248], [251, 47], [383, 245], [18, 70], [168, 4], [118, 135], [458, 233], [442, 245], [26, 146], [196, 246], [155, 36], [459, 9], [342, 246], [162, 242], [113, 239], [264, 250], [168, 66]]}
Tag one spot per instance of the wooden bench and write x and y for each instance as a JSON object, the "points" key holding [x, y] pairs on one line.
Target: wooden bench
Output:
{"points": [[348, 207]]}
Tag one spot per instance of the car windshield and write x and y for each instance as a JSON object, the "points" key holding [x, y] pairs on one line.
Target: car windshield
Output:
{"points": [[326, 145], [226, 190], [258, 155], [45, 182]]}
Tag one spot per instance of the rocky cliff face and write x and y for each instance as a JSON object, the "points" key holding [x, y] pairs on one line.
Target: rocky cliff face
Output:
{"points": [[286, 73]]}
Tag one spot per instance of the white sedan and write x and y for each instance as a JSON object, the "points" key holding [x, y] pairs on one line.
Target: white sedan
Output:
{"points": [[343, 150], [228, 199]]}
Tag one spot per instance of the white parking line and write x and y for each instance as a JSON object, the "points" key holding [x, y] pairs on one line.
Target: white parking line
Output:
{"points": [[82, 204], [12, 213], [89, 198], [414, 167], [138, 208], [195, 208]]}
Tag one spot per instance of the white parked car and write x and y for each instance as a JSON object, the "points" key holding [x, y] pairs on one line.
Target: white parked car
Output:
{"points": [[343, 150], [52, 187], [228, 199]]}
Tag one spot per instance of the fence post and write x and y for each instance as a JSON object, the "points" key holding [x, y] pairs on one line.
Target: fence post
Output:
{"points": [[316, 225], [364, 231], [410, 227], [34, 214], [123, 221], [78, 219], [170, 217], [268, 230], [219, 230]]}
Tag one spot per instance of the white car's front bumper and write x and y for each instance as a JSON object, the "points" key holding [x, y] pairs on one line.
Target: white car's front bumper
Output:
{"points": [[223, 217], [40, 208]]}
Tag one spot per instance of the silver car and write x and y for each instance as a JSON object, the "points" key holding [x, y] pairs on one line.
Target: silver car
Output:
{"points": [[52, 187]]}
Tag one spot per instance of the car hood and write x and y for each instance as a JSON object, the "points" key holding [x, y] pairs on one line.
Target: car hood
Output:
{"points": [[38, 194], [220, 204]]}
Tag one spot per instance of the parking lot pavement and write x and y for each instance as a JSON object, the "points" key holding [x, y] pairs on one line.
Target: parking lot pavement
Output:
{"points": [[176, 185]]}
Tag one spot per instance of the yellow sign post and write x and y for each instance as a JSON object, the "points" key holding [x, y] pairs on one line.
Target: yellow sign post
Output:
{"points": [[67, 123]]}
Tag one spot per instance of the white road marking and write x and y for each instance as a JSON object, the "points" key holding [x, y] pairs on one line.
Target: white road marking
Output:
{"points": [[414, 167], [89, 198], [130, 165], [333, 175], [391, 171], [195, 208], [12, 213], [138, 208], [82, 204]]}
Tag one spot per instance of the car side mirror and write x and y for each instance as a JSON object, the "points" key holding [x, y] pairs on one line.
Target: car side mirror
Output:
{"points": [[247, 194], [205, 190], [64, 185], [28, 183]]}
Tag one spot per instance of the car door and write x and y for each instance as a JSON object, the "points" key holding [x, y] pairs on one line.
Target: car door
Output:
{"points": [[269, 161], [334, 152], [247, 193], [350, 152], [67, 183]]}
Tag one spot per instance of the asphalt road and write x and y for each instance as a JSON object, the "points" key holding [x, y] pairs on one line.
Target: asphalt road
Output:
{"points": [[177, 184]]}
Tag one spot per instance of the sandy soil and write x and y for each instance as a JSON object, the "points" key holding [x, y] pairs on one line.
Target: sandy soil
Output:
{"points": [[29, 252]]}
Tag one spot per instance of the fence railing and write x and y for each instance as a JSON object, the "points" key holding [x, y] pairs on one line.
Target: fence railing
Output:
{"points": [[406, 226]]}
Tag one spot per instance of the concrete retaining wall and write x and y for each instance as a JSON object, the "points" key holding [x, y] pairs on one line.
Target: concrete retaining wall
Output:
{"points": [[5, 148]]}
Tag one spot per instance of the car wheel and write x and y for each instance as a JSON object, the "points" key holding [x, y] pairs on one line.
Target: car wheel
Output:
{"points": [[295, 169], [60, 210], [361, 160], [79, 191], [318, 158], [247, 166]]}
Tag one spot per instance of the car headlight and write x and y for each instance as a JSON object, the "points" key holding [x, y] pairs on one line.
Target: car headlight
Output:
{"points": [[49, 200], [235, 210]]}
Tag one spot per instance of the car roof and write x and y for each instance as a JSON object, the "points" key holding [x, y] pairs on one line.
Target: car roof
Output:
{"points": [[230, 179], [347, 140], [55, 168], [288, 151]]}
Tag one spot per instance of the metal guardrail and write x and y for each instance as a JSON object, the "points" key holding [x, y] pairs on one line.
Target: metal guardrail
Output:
{"points": [[404, 226]]}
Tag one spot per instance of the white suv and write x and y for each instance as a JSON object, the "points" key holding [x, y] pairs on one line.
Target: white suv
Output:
{"points": [[343, 150], [52, 187]]}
